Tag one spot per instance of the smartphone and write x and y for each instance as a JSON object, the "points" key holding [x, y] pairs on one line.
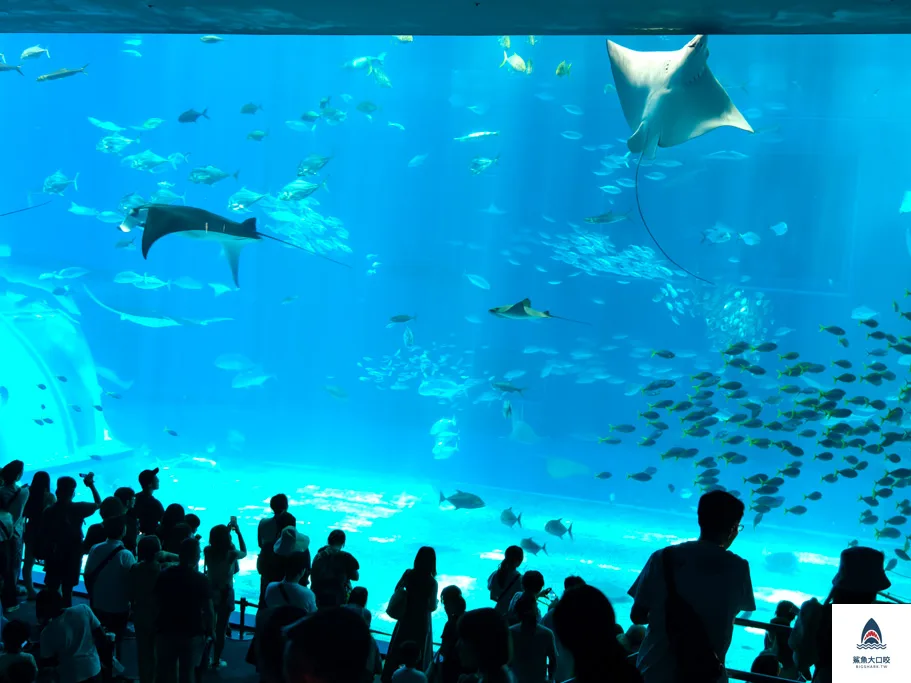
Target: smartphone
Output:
{"points": [[233, 521]]}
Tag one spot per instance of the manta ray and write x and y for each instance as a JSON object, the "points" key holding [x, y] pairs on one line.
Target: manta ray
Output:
{"points": [[523, 311], [165, 219], [668, 98]]}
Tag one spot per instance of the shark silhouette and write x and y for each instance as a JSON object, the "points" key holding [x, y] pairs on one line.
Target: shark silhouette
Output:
{"points": [[165, 219], [667, 98]]}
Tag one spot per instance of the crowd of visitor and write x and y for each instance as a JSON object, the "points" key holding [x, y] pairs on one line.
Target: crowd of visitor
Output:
{"points": [[149, 577]]}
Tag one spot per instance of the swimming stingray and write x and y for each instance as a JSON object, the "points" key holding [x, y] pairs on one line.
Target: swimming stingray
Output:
{"points": [[144, 319], [165, 219], [667, 99], [524, 311]]}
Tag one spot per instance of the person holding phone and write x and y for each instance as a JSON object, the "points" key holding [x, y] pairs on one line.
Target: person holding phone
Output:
{"points": [[62, 535], [221, 564]]}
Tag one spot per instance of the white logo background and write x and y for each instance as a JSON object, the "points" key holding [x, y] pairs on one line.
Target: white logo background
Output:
{"points": [[847, 629]]}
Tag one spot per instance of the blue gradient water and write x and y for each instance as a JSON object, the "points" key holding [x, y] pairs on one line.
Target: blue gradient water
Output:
{"points": [[827, 160]]}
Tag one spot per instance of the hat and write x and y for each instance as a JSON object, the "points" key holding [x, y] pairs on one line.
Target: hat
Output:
{"points": [[861, 570], [146, 476], [290, 541]]}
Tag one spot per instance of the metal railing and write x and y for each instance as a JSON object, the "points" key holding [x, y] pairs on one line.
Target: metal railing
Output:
{"points": [[240, 630]]}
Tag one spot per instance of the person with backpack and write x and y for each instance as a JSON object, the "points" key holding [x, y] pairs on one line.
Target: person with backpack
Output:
{"points": [[333, 571], [147, 510], [107, 579], [689, 595], [13, 499], [61, 539], [267, 533]]}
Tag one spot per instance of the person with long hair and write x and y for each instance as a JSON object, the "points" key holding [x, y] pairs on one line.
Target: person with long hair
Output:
{"points": [[221, 558], [420, 586], [534, 650], [40, 499], [484, 646], [586, 624], [13, 499], [170, 531], [506, 580]]}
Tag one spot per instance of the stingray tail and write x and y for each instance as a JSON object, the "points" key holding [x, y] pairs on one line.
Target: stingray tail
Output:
{"points": [[297, 246], [649, 230], [27, 208], [569, 320]]}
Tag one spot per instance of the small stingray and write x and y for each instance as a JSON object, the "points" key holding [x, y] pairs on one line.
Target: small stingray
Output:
{"points": [[668, 98], [144, 319], [523, 311], [166, 219]]}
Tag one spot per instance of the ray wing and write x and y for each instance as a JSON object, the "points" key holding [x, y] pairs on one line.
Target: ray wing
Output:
{"points": [[636, 76], [694, 109]]}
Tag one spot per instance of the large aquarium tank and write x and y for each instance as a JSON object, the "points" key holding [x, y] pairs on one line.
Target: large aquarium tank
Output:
{"points": [[422, 302]]}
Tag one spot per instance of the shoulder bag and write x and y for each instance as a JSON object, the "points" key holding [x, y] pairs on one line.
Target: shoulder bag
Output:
{"points": [[697, 661]]}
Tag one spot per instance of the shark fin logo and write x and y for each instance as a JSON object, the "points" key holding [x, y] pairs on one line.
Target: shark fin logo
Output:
{"points": [[872, 638]]}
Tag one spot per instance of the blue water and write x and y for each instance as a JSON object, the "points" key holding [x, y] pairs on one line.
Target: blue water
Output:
{"points": [[342, 419]]}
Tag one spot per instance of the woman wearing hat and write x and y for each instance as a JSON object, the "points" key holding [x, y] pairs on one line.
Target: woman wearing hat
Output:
{"points": [[860, 578]]}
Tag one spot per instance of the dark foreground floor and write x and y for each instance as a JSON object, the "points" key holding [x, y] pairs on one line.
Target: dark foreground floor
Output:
{"points": [[235, 652]]}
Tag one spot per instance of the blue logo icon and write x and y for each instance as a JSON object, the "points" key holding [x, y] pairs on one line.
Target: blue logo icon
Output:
{"points": [[872, 638]]}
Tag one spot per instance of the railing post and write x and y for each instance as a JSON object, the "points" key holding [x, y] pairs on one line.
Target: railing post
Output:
{"points": [[243, 621]]}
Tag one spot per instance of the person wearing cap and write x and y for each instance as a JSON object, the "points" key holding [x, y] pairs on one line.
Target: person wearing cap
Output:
{"points": [[860, 577], [62, 534], [147, 509]]}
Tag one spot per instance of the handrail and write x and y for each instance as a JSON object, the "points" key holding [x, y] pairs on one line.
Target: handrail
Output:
{"points": [[750, 677], [735, 674]]}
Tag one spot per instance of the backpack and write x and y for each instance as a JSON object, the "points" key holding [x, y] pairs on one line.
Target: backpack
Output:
{"points": [[60, 533], [697, 661], [328, 583], [7, 526]]}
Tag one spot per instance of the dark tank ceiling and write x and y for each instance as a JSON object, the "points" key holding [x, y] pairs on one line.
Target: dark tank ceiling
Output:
{"points": [[456, 17]]}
